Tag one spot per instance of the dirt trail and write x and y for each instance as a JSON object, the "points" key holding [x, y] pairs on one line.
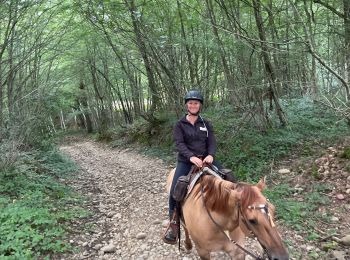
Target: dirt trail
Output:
{"points": [[126, 192]]}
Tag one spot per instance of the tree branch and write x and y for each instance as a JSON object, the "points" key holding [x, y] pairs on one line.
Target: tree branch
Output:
{"points": [[331, 8]]}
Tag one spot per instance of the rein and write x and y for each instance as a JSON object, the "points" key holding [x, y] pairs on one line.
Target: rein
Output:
{"points": [[257, 257]]}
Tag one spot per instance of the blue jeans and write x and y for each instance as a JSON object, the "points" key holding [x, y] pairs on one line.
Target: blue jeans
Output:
{"points": [[182, 168]]}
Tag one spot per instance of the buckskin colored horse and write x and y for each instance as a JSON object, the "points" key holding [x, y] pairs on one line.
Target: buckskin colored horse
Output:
{"points": [[216, 207]]}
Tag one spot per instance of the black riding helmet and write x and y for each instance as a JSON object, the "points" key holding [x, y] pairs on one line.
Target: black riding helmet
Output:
{"points": [[194, 95]]}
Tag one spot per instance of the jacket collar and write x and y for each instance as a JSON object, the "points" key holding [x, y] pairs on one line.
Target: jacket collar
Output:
{"points": [[184, 120]]}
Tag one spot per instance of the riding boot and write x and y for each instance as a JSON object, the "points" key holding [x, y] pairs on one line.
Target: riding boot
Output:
{"points": [[228, 175], [171, 233]]}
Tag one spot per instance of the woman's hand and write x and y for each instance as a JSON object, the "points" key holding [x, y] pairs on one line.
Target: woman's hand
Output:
{"points": [[209, 159], [196, 161]]}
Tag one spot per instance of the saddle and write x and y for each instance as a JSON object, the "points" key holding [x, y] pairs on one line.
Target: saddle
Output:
{"points": [[185, 184]]}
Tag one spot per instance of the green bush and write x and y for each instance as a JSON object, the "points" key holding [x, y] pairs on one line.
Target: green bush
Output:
{"points": [[33, 205]]}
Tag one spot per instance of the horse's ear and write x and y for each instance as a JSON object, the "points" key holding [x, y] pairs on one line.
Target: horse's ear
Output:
{"points": [[261, 184]]}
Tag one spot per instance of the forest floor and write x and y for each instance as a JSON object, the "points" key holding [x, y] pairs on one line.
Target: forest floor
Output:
{"points": [[127, 198]]}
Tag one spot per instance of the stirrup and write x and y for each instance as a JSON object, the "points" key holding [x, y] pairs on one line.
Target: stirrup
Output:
{"points": [[171, 234]]}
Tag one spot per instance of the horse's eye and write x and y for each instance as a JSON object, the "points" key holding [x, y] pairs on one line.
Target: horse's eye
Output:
{"points": [[253, 222]]}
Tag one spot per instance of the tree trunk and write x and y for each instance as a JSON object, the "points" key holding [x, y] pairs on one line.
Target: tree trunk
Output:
{"points": [[267, 62], [155, 100], [1, 97], [347, 36], [11, 76], [188, 51], [230, 81], [346, 17], [82, 100], [314, 88]]}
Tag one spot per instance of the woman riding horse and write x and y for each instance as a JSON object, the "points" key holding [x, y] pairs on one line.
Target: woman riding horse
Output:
{"points": [[196, 145]]}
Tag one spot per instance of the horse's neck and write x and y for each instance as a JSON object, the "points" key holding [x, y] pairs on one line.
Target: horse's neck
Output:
{"points": [[228, 220], [233, 219]]}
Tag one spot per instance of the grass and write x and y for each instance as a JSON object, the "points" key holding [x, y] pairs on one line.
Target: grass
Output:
{"points": [[301, 215], [35, 209]]}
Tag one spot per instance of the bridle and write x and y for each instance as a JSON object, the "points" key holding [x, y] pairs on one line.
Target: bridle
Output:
{"points": [[262, 207], [265, 210]]}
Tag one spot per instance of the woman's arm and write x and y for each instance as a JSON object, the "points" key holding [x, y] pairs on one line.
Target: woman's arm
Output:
{"points": [[181, 146]]}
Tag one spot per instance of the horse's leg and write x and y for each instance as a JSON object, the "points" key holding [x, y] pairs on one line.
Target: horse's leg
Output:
{"points": [[188, 244], [203, 253], [234, 251]]}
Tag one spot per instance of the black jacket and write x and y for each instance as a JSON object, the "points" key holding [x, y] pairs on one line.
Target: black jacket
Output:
{"points": [[194, 140]]}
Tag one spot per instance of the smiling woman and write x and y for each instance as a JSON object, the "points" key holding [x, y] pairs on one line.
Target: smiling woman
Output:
{"points": [[196, 146], [193, 107]]}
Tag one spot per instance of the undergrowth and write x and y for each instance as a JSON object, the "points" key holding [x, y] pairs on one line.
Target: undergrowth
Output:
{"points": [[35, 209], [249, 152], [303, 215]]}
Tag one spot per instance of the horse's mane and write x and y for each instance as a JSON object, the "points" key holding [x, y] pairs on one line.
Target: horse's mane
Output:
{"points": [[217, 193]]}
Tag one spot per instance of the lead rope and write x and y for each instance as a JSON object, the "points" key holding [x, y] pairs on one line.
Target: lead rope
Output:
{"points": [[221, 229], [178, 206]]}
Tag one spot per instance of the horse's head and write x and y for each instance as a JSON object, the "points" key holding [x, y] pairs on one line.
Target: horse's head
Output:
{"points": [[256, 216]]}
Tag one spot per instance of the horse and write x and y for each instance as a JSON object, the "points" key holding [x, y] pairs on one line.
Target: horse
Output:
{"points": [[216, 207]]}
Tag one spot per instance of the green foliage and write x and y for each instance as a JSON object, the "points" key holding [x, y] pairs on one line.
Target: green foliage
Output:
{"points": [[32, 102], [250, 152], [299, 214], [32, 127], [158, 133], [139, 131], [314, 172], [315, 198], [104, 136], [34, 206], [26, 229], [312, 236], [322, 187], [346, 153]]}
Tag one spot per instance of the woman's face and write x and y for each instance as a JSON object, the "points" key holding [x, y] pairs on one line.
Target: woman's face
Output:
{"points": [[193, 106]]}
